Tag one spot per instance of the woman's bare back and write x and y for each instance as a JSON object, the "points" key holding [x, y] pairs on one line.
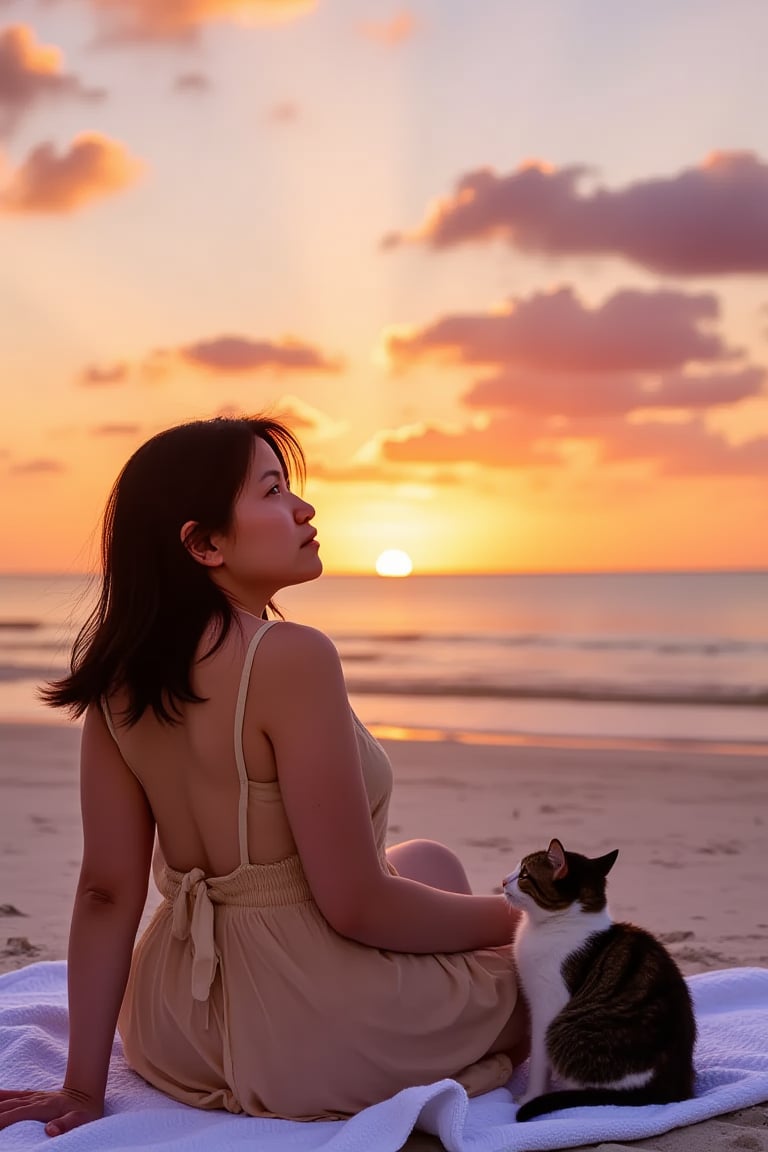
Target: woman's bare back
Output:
{"points": [[189, 771]]}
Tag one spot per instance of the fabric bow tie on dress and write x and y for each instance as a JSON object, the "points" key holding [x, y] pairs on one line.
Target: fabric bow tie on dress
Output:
{"points": [[193, 916]]}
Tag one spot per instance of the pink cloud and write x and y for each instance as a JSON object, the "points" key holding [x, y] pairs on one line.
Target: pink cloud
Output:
{"points": [[30, 73], [707, 220], [37, 467], [631, 331], [92, 168], [584, 395], [688, 449], [505, 442], [98, 375], [241, 354], [193, 83], [525, 442], [124, 429], [397, 30], [163, 20]]}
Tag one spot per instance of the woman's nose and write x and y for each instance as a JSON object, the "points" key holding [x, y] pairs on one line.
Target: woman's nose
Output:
{"points": [[304, 511]]}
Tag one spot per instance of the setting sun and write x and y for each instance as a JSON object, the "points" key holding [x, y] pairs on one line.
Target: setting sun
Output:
{"points": [[394, 562]]}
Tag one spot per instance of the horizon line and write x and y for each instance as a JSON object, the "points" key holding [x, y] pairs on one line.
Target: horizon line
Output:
{"points": [[370, 573]]}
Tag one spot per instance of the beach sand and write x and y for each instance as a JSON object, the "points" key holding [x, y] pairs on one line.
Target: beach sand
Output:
{"points": [[690, 824]]}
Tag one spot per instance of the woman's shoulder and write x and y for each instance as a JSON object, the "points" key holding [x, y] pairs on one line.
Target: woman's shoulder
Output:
{"points": [[299, 660], [296, 648]]}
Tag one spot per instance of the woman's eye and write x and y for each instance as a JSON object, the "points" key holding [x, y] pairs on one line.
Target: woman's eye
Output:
{"points": [[274, 488]]}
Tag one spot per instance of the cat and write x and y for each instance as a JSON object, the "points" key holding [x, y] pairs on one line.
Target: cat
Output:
{"points": [[611, 1015]]}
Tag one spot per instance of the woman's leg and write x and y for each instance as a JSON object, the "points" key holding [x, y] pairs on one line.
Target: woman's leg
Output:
{"points": [[430, 863]]}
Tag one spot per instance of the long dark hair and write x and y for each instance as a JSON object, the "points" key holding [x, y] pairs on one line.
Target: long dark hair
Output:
{"points": [[156, 600]]}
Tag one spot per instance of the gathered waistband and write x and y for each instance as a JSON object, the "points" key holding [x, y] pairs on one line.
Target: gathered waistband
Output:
{"points": [[249, 886], [193, 897]]}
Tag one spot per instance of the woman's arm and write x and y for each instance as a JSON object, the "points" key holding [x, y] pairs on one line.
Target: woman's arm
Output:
{"points": [[118, 834], [308, 721]]}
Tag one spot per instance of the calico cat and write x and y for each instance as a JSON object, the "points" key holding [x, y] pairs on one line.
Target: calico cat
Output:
{"points": [[611, 1015]]}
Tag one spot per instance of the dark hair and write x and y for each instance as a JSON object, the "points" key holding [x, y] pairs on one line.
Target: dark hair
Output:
{"points": [[156, 600]]}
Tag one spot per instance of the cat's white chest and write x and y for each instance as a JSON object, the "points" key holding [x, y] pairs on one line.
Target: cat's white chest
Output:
{"points": [[541, 950]]}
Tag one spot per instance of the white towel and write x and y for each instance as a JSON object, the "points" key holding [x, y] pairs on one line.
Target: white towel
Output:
{"points": [[731, 1066]]}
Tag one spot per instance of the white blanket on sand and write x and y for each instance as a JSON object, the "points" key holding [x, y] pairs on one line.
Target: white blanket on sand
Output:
{"points": [[731, 1064]]}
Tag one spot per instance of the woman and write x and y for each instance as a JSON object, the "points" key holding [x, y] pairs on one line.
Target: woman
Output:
{"points": [[295, 968]]}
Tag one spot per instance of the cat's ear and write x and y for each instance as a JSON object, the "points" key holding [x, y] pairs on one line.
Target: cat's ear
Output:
{"points": [[556, 856], [605, 863]]}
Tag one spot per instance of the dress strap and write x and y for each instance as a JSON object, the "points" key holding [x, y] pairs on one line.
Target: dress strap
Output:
{"points": [[242, 821], [108, 719]]}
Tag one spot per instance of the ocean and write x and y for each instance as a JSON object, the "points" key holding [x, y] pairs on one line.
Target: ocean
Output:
{"points": [[586, 657]]}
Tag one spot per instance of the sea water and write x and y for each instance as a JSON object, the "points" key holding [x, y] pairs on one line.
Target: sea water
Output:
{"points": [[591, 656]]}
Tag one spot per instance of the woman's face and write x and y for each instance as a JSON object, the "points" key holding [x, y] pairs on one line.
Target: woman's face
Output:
{"points": [[271, 543]]}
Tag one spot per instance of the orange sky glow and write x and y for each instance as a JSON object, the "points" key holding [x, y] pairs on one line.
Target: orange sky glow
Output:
{"points": [[510, 290]]}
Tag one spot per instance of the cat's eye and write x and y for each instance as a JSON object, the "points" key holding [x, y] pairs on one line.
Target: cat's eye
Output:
{"points": [[523, 872]]}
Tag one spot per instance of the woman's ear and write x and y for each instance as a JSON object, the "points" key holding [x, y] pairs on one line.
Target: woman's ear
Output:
{"points": [[200, 545]]}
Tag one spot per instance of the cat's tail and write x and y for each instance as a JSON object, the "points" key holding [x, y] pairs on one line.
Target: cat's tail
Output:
{"points": [[584, 1098]]}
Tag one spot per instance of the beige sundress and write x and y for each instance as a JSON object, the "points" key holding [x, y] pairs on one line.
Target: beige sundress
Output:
{"points": [[242, 996]]}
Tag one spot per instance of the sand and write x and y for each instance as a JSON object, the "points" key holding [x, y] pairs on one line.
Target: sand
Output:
{"points": [[690, 824]]}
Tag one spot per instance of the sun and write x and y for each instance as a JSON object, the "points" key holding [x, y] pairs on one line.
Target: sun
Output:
{"points": [[394, 562]]}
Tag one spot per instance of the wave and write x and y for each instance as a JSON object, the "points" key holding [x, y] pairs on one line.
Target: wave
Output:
{"points": [[694, 646], [745, 696]]}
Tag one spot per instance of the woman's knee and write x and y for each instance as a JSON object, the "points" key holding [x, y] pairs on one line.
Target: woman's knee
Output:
{"points": [[431, 863]]}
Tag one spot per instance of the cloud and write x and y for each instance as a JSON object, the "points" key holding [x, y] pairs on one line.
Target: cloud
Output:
{"points": [[585, 395], [164, 20], [303, 417], [554, 331], [297, 414], [30, 73], [98, 375], [521, 441], [711, 219], [225, 355], [397, 30], [503, 442], [685, 449], [241, 354], [286, 112], [194, 83], [37, 467], [92, 168], [118, 429]]}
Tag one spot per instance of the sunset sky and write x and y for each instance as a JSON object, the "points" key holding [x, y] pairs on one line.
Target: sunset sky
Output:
{"points": [[503, 264]]}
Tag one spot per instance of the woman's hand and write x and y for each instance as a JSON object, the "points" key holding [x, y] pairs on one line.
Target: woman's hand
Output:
{"points": [[61, 1111]]}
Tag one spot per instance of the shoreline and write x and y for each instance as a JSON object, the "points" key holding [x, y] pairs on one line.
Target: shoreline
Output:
{"points": [[418, 734]]}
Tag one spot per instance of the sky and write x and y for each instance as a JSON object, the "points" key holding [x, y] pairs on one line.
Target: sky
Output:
{"points": [[501, 264]]}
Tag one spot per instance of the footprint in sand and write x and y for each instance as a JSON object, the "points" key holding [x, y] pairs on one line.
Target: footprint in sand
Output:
{"points": [[501, 843], [19, 946], [42, 823]]}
